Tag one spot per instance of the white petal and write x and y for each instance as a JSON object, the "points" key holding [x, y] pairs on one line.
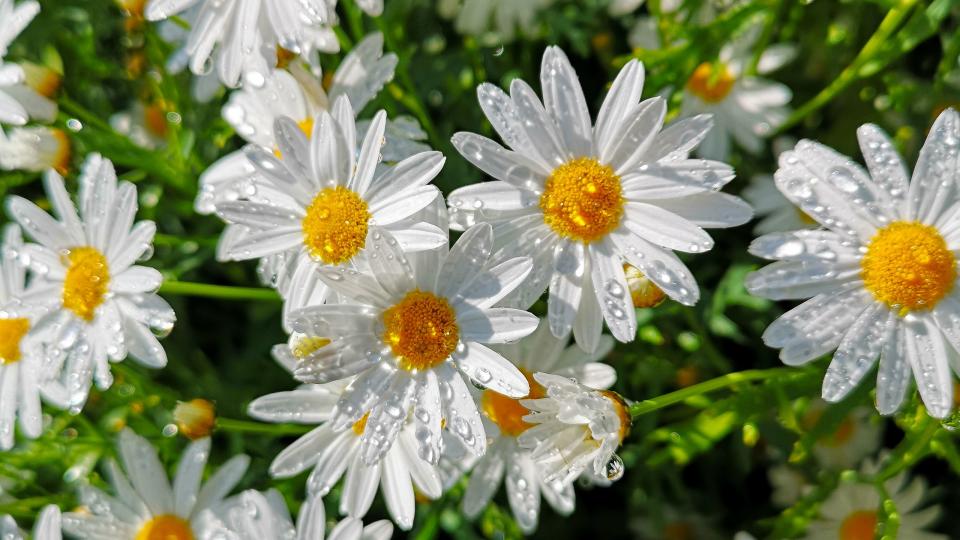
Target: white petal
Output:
{"points": [[613, 293], [934, 177], [359, 487], [186, 484], [623, 96], [484, 481], [569, 264], [661, 266], [564, 101], [137, 279], [927, 353], [665, 228], [388, 264], [146, 472], [299, 406], [857, 352], [495, 325], [397, 490], [788, 280], [893, 377]]}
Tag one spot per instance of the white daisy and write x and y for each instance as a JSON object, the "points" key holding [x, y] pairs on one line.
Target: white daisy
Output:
{"points": [[503, 422], [205, 85], [855, 438], [850, 513], [13, 19], [252, 515], [46, 528], [787, 485], [575, 427], [881, 274], [144, 504], [102, 305], [582, 200], [333, 455], [35, 94], [22, 372], [500, 19], [144, 123], [298, 94], [410, 334], [35, 149], [317, 202], [745, 107], [246, 33]]}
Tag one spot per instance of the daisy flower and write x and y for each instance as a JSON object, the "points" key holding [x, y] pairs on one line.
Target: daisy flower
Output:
{"points": [[316, 203], [35, 149], [13, 19], [298, 94], [855, 438], [745, 107], [22, 370], [102, 306], [503, 422], [411, 335], [787, 485], [880, 276], [574, 427], [582, 200], [46, 528], [36, 91], [252, 515], [144, 505], [850, 513], [245, 33], [333, 455], [501, 18], [143, 123]]}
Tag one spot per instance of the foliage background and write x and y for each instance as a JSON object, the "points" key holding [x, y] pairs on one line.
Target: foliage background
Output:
{"points": [[707, 455]]}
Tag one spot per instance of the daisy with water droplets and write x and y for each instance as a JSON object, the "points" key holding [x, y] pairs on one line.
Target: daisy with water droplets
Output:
{"points": [[144, 505], [852, 510], [880, 276], [774, 211], [583, 200], [252, 515], [144, 123], [297, 93], [745, 107], [245, 33], [22, 373], [13, 19], [46, 528], [576, 430], [410, 336], [102, 305], [333, 455], [317, 201], [504, 422], [495, 20]]}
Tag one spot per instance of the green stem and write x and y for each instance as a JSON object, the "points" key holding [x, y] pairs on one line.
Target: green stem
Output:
{"points": [[677, 396], [225, 292], [850, 74], [245, 426], [914, 447]]}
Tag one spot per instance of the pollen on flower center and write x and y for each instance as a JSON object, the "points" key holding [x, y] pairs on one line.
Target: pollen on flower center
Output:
{"points": [[11, 332], [421, 330], [622, 410], [86, 281], [506, 412], [711, 82], [908, 266], [165, 527], [335, 227], [360, 425], [859, 525], [582, 200]]}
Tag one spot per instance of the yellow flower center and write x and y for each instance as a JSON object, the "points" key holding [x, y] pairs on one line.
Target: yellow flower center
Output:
{"points": [[421, 330], [582, 200], [859, 525], [645, 293], [11, 332], [506, 412], [360, 425], [85, 284], [165, 527], [711, 82], [623, 412], [305, 346], [195, 418], [908, 266], [335, 227]]}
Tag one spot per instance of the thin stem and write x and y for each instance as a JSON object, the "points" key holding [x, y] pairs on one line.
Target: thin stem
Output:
{"points": [[649, 405], [225, 292], [245, 426], [850, 74], [911, 450]]}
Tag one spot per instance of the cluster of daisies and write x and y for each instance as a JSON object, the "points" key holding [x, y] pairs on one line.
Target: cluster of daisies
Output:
{"points": [[420, 360]]}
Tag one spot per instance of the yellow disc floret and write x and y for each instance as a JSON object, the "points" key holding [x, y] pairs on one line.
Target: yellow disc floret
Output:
{"points": [[165, 527], [421, 330], [506, 412], [85, 284], [859, 525], [711, 82], [335, 227], [908, 266], [582, 200], [11, 332]]}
